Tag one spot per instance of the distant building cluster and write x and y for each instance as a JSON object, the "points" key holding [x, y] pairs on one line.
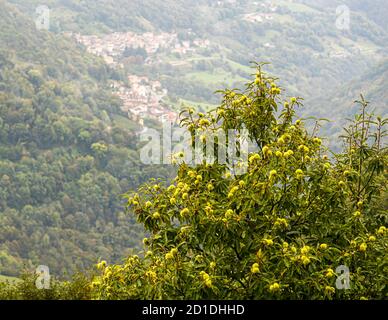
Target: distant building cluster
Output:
{"points": [[143, 99], [112, 46], [268, 7], [257, 17]]}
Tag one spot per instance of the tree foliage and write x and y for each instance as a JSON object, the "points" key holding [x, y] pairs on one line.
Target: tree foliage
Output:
{"points": [[280, 230]]}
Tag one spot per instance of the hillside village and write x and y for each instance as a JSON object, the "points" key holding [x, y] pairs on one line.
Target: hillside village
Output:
{"points": [[143, 99], [112, 46], [143, 96]]}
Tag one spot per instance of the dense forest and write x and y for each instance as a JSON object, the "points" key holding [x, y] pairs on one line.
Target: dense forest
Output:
{"points": [[67, 153]]}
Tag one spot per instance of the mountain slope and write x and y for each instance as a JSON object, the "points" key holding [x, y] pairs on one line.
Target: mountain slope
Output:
{"points": [[299, 38], [372, 85], [67, 152], [66, 149]]}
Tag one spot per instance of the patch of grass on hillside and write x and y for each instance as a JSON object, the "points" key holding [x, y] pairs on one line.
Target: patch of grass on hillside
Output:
{"points": [[125, 123], [217, 77], [297, 7], [196, 104], [8, 278]]}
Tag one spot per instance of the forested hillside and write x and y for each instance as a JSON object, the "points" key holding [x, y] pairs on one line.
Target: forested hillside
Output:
{"points": [[67, 152], [372, 84], [299, 38]]}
